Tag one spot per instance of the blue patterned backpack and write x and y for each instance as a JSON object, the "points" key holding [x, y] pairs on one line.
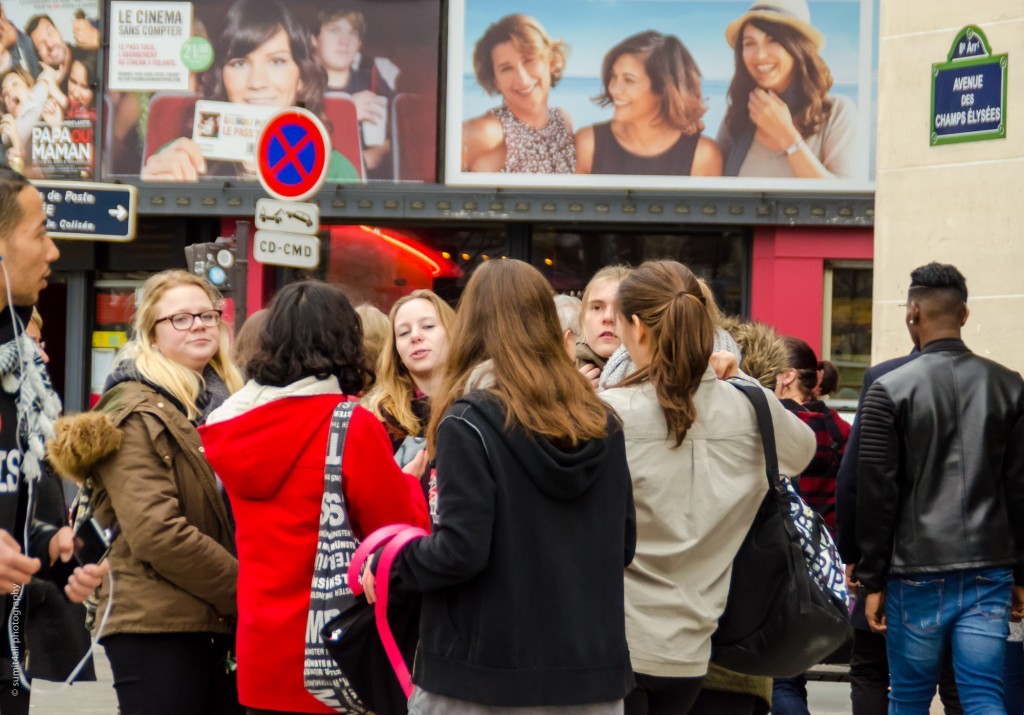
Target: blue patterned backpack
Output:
{"points": [[788, 607]]}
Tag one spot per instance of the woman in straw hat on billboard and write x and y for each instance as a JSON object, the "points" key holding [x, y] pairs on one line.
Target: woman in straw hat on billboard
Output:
{"points": [[781, 120]]}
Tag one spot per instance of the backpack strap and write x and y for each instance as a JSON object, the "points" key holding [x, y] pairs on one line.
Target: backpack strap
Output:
{"points": [[394, 538], [838, 440], [387, 558], [366, 549]]}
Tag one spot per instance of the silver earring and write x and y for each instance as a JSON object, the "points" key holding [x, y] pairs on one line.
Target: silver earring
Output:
{"points": [[910, 322]]}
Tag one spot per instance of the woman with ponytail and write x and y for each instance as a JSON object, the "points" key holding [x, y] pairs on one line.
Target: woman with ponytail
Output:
{"points": [[801, 387], [698, 472]]}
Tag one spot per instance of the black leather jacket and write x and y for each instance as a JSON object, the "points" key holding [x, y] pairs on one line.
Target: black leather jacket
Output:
{"points": [[940, 482]]}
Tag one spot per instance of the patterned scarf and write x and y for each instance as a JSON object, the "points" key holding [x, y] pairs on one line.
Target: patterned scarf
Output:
{"points": [[38, 406]]}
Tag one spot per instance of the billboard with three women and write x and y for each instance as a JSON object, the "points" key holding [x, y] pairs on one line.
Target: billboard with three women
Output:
{"points": [[687, 94], [48, 70], [190, 84]]}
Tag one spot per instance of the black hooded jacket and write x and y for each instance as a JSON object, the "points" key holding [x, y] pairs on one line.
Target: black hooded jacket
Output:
{"points": [[523, 575], [16, 506]]}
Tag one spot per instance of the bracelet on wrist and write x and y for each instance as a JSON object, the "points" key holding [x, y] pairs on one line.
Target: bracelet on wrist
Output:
{"points": [[794, 147]]}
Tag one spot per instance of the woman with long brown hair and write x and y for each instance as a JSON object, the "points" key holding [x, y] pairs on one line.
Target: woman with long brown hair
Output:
{"points": [[522, 575], [781, 120], [694, 453]]}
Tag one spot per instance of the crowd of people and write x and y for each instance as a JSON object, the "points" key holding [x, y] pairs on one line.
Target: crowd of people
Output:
{"points": [[586, 473]]}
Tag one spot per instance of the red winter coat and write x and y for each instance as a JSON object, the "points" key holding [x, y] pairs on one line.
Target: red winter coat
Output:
{"points": [[269, 452]]}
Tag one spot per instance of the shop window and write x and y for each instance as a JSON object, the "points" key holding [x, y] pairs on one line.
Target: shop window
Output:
{"points": [[378, 265], [846, 334], [569, 257]]}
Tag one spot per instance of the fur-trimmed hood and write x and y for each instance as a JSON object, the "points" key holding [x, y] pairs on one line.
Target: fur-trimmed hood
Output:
{"points": [[80, 442], [764, 354]]}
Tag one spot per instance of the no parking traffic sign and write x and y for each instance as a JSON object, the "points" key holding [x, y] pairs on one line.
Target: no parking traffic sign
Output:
{"points": [[292, 153]]}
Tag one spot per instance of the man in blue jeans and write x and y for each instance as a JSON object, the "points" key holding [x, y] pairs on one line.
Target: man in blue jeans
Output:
{"points": [[940, 505]]}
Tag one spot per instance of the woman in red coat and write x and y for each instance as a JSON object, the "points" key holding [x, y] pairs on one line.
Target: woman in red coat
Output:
{"points": [[267, 443]]}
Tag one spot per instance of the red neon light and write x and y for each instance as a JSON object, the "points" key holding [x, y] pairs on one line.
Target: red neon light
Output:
{"points": [[399, 243]]}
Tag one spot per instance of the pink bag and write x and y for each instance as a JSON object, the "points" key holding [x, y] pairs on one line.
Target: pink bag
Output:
{"points": [[393, 538]]}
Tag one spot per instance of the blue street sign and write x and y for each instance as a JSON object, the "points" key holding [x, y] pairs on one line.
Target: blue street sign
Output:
{"points": [[89, 211], [969, 91]]}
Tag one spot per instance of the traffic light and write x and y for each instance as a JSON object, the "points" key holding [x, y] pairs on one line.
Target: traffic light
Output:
{"points": [[217, 263]]}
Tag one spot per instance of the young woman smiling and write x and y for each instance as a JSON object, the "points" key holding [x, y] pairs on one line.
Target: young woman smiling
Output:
{"points": [[653, 84], [411, 364], [781, 120], [266, 59]]}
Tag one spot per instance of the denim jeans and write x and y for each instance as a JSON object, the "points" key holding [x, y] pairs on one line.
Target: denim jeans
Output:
{"points": [[789, 696], [1013, 678], [967, 611]]}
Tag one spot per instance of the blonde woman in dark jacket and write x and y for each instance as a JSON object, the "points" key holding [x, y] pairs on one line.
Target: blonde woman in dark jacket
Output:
{"points": [[170, 631]]}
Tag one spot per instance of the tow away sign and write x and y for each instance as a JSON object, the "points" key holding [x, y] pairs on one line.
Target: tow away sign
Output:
{"points": [[89, 211], [288, 216]]}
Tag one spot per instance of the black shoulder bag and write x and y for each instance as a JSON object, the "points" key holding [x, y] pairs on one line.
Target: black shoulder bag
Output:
{"points": [[788, 604]]}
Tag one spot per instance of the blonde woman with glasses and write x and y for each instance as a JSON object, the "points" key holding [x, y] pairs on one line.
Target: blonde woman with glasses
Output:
{"points": [[170, 634]]}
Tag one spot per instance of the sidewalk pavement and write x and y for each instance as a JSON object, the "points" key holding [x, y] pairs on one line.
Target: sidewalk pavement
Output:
{"points": [[96, 698], [99, 699]]}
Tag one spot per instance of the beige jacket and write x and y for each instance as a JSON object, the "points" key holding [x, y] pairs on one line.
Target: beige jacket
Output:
{"points": [[174, 563], [694, 506]]}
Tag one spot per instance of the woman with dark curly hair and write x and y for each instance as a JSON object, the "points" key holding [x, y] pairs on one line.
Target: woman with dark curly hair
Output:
{"points": [[267, 444], [781, 120], [653, 84], [265, 57]]}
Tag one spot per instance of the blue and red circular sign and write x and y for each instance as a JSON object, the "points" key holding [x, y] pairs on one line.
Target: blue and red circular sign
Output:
{"points": [[292, 154]]}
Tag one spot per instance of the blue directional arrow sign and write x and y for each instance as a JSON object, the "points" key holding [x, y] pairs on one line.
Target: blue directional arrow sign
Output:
{"points": [[89, 211]]}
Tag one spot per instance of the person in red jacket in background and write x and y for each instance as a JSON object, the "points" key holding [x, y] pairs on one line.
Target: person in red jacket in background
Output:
{"points": [[268, 443]]}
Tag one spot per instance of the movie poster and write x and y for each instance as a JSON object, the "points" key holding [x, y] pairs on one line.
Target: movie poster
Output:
{"points": [[689, 94], [48, 86], [191, 84]]}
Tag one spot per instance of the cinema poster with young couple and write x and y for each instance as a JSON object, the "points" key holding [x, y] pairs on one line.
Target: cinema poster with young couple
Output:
{"points": [[48, 87], [189, 85], [718, 95]]}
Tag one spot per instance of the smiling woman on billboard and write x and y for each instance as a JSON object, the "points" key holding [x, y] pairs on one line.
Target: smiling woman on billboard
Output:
{"points": [[265, 59], [516, 59], [653, 83], [781, 119]]}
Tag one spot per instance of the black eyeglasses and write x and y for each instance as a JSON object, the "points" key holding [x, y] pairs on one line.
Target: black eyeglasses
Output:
{"points": [[185, 321]]}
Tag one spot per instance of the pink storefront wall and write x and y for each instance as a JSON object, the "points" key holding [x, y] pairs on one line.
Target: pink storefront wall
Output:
{"points": [[788, 274]]}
